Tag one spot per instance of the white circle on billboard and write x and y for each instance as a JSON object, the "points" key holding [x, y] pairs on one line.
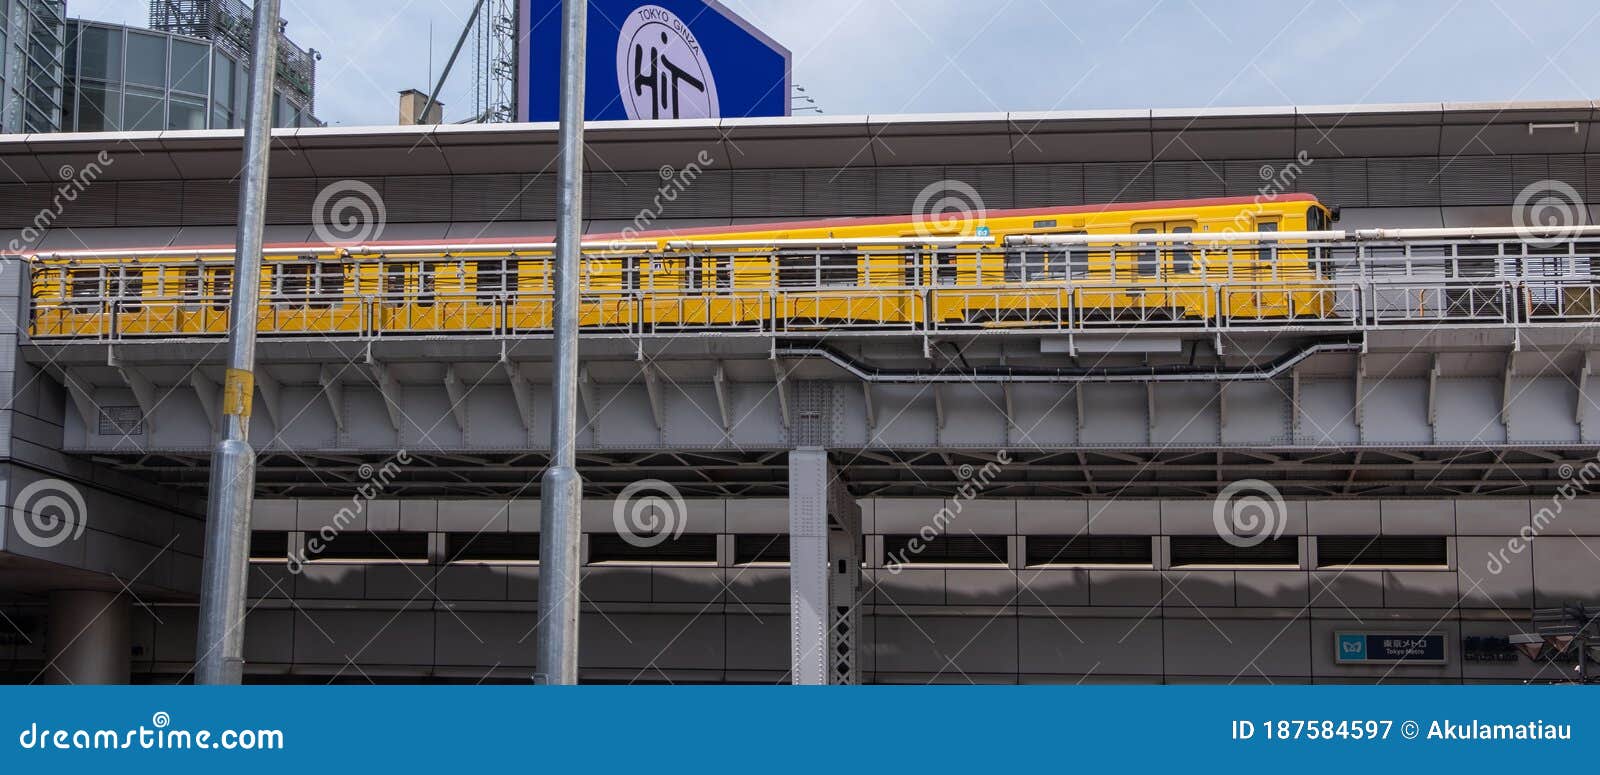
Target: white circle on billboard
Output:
{"points": [[662, 71]]}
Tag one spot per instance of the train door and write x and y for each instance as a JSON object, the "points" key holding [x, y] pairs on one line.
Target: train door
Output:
{"points": [[1163, 273]]}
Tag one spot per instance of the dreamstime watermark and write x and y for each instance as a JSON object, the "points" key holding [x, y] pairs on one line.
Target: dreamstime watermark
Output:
{"points": [[1249, 513], [1578, 479], [649, 513], [48, 513], [74, 181], [158, 736], [349, 213], [1275, 182], [948, 207], [674, 183], [974, 481], [375, 480], [1548, 213]]}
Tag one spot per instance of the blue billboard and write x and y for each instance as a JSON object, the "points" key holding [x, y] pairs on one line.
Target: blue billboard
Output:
{"points": [[655, 60]]}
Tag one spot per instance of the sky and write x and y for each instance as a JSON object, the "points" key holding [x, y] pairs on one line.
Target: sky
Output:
{"points": [[952, 56]]}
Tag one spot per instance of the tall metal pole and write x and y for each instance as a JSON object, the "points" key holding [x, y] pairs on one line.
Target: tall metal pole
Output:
{"points": [[220, 641], [562, 490]]}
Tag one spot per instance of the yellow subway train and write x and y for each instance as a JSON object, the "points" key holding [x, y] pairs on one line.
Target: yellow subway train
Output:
{"points": [[765, 276]]}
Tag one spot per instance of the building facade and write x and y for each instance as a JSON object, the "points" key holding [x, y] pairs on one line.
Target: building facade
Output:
{"points": [[127, 79], [32, 49]]}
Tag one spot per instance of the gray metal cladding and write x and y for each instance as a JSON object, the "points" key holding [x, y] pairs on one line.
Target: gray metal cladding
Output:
{"points": [[840, 192], [1403, 182], [715, 194], [486, 198], [1118, 182], [149, 203], [293, 201], [419, 199], [1189, 179], [1047, 185], [899, 187], [768, 193], [1340, 182], [1476, 180]]}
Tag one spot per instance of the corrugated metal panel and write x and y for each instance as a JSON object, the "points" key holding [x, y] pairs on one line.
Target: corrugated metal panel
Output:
{"points": [[1189, 179], [1403, 182], [1476, 180], [1338, 182], [840, 192], [486, 198], [1592, 163], [20, 203], [210, 202], [708, 194], [539, 201], [1120, 182], [1251, 177], [93, 207], [899, 187], [293, 201], [768, 193], [1567, 168], [620, 195], [418, 199], [1047, 185], [993, 182], [149, 203]]}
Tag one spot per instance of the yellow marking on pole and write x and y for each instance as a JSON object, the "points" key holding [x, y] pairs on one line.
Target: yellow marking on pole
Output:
{"points": [[238, 393]]}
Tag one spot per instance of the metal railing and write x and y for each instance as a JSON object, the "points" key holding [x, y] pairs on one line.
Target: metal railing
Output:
{"points": [[778, 289]]}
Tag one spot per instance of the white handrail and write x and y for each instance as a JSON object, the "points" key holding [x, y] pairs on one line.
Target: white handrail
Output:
{"points": [[1359, 235], [391, 250], [830, 242]]}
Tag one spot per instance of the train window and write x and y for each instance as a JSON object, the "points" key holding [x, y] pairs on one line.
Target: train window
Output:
{"points": [[1182, 256], [1267, 226], [294, 280], [1315, 220], [493, 278], [128, 288], [84, 286], [190, 284], [839, 269], [330, 282], [394, 280], [426, 276], [1149, 257], [221, 281], [945, 269]]}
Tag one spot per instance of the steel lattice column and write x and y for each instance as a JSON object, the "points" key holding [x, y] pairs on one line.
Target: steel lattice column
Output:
{"points": [[824, 573]]}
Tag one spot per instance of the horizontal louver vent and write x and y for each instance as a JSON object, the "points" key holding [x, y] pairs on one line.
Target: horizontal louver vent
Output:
{"points": [[369, 547], [692, 548], [1210, 550], [268, 545], [1385, 551], [491, 547], [749, 549], [944, 550], [1090, 550]]}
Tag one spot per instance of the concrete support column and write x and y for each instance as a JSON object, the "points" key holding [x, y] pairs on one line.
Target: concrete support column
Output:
{"points": [[88, 638], [824, 572]]}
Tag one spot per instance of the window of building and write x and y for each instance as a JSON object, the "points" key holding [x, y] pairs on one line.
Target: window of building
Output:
{"points": [[100, 56], [945, 550], [147, 60], [1214, 551], [98, 108], [761, 548], [191, 68], [1090, 550], [694, 548], [368, 547], [1382, 551], [186, 113], [269, 546], [223, 76], [144, 110], [492, 547]]}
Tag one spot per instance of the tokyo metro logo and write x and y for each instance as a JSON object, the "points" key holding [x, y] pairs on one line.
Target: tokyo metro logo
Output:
{"points": [[662, 72]]}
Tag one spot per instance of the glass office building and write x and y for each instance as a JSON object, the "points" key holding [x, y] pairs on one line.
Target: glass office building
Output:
{"points": [[32, 48], [128, 79]]}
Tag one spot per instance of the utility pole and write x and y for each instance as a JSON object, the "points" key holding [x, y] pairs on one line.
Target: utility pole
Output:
{"points": [[562, 491], [220, 641]]}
